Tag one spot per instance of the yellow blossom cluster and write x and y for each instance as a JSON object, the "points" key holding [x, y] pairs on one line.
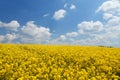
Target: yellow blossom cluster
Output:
{"points": [[58, 62]]}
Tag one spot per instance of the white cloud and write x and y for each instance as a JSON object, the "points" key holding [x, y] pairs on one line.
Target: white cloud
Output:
{"points": [[72, 7], [45, 15], [108, 34], [59, 14], [107, 16], [59, 40], [111, 11], [62, 37], [114, 21], [90, 27], [13, 25], [113, 28], [72, 34], [87, 41], [110, 6], [1, 38], [32, 33], [111, 33], [29, 33], [93, 41], [10, 37]]}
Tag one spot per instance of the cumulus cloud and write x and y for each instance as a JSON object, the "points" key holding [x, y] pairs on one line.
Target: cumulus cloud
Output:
{"points": [[90, 26], [8, 37], [111, 11], [107, 16], [110, 6], [93, 41], [1, 38], [110, 30], [62, 37], [72, 7], [13, 25], [31, 33], [87, 41], [59, 40], [59, 14], [114, 21], [113, 29], [72, 34]]}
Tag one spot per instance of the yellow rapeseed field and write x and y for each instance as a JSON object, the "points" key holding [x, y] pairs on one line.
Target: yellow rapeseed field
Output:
{"points": [[58, 62]]}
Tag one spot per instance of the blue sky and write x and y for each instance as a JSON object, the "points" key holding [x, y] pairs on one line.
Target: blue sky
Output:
{"points": [[78, 22]]}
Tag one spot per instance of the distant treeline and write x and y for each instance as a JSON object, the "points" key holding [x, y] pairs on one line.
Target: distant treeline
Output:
{"points": [[106, 46]]}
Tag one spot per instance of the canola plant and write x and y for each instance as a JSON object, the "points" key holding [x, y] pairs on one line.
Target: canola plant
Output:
{"points": [[58, 62]]}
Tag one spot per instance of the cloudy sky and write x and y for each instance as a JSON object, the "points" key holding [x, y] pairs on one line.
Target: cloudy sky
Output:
{"points": [[76, 22]]}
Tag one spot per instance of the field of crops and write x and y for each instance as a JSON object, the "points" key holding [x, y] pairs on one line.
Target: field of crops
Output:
{"points": [[45, 62]]}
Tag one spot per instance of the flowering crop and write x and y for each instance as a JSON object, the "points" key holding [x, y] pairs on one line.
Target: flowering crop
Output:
{"points": [[48, 62]]}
